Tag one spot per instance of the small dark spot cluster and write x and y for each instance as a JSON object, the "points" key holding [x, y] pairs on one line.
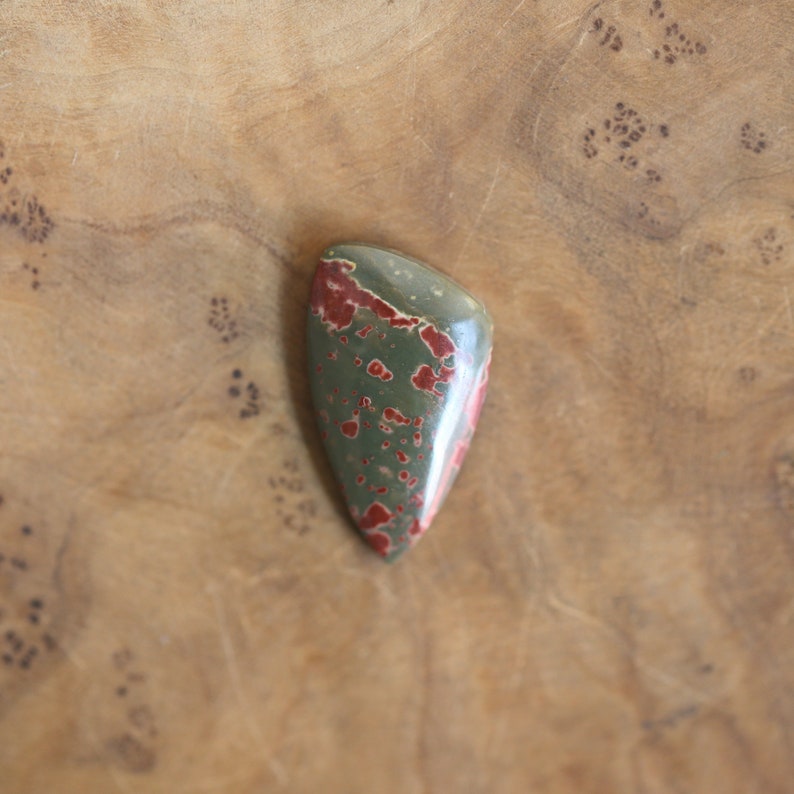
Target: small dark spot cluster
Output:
{"points": [[626, 126], [676, 43], [36, 223], [768, 247], [589, 147], [23, 212], [609, 36], [751, 140], [17, 560], [250, 394], [17, 650], [132, 747], [35, 275], [221, 320], [23, 634], [132, 753], [294, 508], [748, 374], [26, 215], [623, 130], [34, 613], [650, 221]]}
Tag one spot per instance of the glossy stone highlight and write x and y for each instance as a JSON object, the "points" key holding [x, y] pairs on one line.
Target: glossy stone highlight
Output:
{"points": [[399, 359]]}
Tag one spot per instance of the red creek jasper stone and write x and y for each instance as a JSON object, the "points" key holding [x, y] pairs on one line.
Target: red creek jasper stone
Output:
{"points": [[399, 357]]}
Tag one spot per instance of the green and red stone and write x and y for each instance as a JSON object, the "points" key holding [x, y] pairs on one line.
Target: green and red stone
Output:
{"points": [[399, 358]]}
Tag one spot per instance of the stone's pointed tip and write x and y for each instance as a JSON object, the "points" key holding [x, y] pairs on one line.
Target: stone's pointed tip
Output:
{"points": [[390, 559], [399, 360]]}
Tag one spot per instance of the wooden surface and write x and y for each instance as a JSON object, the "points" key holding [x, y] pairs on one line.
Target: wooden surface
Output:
{"points": [[605, 604]]}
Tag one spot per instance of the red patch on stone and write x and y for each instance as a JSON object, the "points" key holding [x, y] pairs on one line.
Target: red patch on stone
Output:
{"points": [[349, 428], [360, 479], [357, 361], [378, 369], [343, 339], [375, 515], [393, 415], [365, 461], [319, 367], [364, 331], [425, 378], [364, 402], [415, 528], [383, 489], [323, 414], [403, 475], [332, 355], [384, 428], [418, 422], [379, 541], [412, 482], [385, 445], [336, 296], [439, 343], [417, 439], [401, 456]]}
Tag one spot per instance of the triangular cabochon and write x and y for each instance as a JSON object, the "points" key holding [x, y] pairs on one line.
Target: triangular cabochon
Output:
{"points": [[399, 357]]}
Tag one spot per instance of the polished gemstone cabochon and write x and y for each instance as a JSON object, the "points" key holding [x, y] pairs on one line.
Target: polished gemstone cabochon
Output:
{"points": [[399, 356]]}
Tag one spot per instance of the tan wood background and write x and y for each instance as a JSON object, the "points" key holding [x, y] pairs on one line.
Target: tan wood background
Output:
{"points": [[605, 604]]}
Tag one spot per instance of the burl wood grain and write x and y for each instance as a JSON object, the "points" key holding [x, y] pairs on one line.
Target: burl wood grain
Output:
{"points": [[605, 604]]}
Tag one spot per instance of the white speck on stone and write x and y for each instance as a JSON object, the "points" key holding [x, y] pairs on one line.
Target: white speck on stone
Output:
{"points": [[437, 292]]}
